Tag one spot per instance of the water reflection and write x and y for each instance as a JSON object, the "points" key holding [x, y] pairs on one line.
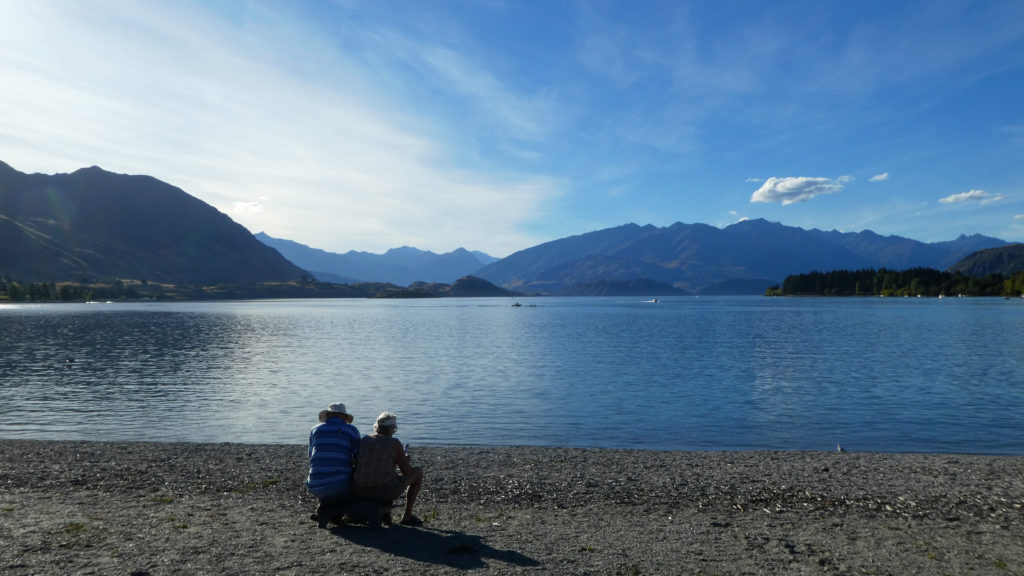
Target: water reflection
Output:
{"points": [[687, 373]]}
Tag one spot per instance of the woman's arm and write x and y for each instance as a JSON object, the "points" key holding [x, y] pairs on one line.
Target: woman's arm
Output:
{"points": [[401, 458]]}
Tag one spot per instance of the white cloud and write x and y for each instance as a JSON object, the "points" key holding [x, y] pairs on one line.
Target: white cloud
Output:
{"points": [[244, 209], [1018, 216], [879, 177], [963, 197], [790, 190], [979, 195], [752, 180], [736, 218]]}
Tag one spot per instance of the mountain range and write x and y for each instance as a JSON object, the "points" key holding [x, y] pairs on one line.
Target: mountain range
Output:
{"points": [[401, 266], [94, 224], [745, 257]]}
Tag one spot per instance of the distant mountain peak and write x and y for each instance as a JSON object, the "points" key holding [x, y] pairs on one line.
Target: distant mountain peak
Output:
{"points": [[407, 250]]}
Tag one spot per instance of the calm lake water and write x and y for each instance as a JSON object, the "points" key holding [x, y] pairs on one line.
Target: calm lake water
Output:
{"points": [[691, 373]]}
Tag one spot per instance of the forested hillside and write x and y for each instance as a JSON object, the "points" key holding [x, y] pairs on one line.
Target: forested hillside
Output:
{"points": [[912, 282]]}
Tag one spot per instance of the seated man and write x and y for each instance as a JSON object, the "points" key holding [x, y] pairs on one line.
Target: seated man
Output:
{"points": [[333, 446], [376, 478]]}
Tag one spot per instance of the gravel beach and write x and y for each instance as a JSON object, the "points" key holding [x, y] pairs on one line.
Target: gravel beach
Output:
{"points": [[175, 508]]}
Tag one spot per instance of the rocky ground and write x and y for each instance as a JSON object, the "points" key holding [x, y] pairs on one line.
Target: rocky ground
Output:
{"points": [[156, 508]]}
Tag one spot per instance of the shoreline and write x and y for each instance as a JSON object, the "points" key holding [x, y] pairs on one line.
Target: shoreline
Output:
{"points": [[174, 508]]}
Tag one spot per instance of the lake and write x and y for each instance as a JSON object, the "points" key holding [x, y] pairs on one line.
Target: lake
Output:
{"points": [[686, 373]]}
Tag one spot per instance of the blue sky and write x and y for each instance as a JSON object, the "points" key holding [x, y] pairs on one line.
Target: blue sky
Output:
{"points": [[498, 125]]}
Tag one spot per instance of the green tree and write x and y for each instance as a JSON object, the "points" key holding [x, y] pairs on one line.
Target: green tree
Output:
{"points": [[16, 291]]}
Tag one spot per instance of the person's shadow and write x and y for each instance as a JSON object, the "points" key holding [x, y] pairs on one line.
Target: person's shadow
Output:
{"points": [[432, 546]]}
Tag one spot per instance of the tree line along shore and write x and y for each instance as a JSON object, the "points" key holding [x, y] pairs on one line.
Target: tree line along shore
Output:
{"points": [[913, 282], [120, 289]]}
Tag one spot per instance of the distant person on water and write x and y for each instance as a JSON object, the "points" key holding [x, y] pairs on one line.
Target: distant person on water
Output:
{"points": [[376, 477], [333, 446]]}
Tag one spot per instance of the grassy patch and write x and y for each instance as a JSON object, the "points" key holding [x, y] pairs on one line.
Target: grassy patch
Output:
{"points": [[78, 535]]}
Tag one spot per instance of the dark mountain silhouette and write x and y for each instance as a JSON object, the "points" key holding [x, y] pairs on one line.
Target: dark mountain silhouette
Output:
{"points": [[1006, 260], [741, 258], [401, 266], [95, 225], [467, 286]]}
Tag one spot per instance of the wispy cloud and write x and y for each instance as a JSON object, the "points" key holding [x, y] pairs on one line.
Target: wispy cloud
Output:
{"points": [[790, 190], [235, 117], [752, 180], [527, 117], [972, 196], [607, 49], [879, 177], [927, 45]]}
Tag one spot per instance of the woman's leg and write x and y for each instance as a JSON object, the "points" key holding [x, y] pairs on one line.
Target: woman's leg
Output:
{"points": [[415, 483]]}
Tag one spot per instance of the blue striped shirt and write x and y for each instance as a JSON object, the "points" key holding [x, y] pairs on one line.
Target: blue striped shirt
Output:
{"points": [[333, 447]]}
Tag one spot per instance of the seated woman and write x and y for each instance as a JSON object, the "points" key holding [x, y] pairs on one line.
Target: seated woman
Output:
{"points": [[376, 478]]}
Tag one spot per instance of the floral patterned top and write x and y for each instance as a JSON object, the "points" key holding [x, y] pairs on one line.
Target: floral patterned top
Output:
{"points": [[378, 457]]}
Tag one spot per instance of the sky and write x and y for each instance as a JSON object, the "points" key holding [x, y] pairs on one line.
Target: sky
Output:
{"points": [[498, 125]]}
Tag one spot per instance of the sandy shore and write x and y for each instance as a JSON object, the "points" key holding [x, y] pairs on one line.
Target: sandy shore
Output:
{"points": [[151, 508]]}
